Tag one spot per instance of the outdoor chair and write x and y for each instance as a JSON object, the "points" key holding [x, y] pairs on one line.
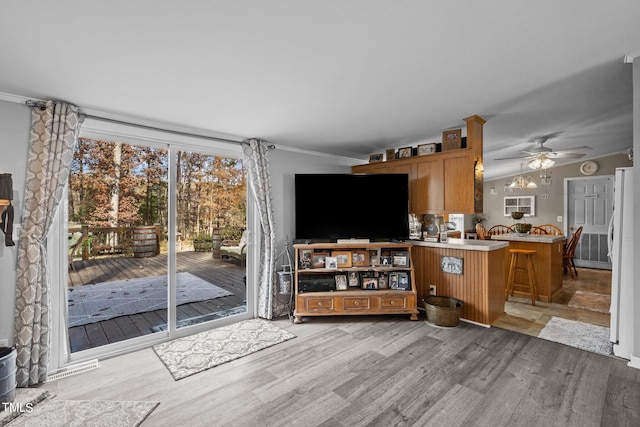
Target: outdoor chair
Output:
{"points": [[236, 249]]}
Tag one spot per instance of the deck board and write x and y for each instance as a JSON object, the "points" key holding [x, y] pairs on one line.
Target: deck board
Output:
{"points": [[225, 274]]}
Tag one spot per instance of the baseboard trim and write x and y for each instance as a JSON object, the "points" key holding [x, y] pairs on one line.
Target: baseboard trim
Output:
{"points": [[634, 362]]}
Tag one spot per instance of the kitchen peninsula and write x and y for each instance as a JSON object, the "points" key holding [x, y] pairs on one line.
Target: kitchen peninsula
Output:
{"points": [[468, 270], [547, 262]]}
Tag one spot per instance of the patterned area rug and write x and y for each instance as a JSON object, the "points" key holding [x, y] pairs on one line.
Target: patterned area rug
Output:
{"points": [[24, 400], [104, 301], [85, 413], [196, 353], [591, 301], [577, 334]]}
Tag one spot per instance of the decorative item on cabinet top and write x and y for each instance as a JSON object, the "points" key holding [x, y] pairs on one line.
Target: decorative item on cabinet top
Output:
{"points": [[451, 139]]}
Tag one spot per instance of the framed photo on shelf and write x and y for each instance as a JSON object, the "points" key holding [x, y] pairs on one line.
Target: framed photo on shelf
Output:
{"points": [[343, 258], [354, 279], [386, 261], [318, 259], [375, 158], [341, 282], [330, 263], [451, 139], [424, 149], [393, 280], [405, 152], [305, 259], [370, 283], [360, 258], [390, 154], [374, 256], [383, 280], [403, 281], [400, 258]]}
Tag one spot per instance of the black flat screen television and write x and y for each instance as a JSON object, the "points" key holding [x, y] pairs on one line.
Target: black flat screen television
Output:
{"points": [[342, 206]]}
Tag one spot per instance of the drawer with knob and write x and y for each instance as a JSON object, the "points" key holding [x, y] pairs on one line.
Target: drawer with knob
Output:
{"points": [[319, 304], [356, 303]]}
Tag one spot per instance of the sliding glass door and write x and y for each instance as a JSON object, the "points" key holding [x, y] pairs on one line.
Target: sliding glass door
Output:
{"points": [[156, 242]]}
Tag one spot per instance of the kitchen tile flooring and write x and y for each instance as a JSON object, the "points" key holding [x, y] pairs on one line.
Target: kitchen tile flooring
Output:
{"points": [[521, 316]]}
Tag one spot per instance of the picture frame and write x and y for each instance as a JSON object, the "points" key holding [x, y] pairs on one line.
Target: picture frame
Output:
{"points": [[452, 265], [405, 152], [376, 158], [386, 261], [353, 279], [383, 280], [370, 283], [341, 282], [425, 149], [360, 258], [331, 263], [305, 262], [390, 154], [374, 257], [451, 139], [393, 280], [400, 259], [343, 258], [318, 259], [403, 281]]}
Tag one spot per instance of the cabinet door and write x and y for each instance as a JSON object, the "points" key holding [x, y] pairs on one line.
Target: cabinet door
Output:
{"points": [[429, 191], [458, 185]]}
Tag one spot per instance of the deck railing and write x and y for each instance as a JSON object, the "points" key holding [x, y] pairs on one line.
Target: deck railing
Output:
{"points": [[108, 240]]}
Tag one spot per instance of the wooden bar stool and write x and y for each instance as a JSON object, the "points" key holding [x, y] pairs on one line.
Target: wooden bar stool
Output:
{"points": [[513, 268]]}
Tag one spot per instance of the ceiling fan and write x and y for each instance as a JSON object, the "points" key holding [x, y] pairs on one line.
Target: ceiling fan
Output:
{"points": [[541, 157]]}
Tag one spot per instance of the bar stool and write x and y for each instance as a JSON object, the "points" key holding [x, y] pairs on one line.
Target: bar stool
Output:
{"points": [[513, 268]]}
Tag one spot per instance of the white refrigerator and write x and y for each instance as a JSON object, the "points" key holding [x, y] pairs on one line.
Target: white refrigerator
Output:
{"points": [[622, 260]]}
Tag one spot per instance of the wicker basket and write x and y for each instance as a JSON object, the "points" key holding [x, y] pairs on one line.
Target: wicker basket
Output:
{"points": [[443, 311]]}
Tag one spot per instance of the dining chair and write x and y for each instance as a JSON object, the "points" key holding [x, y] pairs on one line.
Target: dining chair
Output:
{"points": [[482, 232], [499, 229], [551, 229], [569, 253], [536, 229]]}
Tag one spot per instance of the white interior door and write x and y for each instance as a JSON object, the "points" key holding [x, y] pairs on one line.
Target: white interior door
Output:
{"points": [[590, 205]]}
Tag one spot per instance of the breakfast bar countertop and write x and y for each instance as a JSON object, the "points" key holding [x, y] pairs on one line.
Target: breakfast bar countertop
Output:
{"points": [[464, 244], [534, 238]]}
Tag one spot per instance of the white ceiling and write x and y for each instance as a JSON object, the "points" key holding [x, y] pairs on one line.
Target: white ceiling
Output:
{"points": [[344, 77]]}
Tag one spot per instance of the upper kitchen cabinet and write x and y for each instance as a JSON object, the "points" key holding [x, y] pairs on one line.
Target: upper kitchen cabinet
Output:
{"points": [[443, 182]]}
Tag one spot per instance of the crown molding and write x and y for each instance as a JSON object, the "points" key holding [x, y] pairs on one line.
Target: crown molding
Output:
{"points": [[9, 97], [629, 57]]}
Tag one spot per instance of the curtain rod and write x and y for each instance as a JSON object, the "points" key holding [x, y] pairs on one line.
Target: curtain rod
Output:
{"points": [[40, 104]]}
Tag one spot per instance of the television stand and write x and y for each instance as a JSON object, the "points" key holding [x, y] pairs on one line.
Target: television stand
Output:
{"points": [[368, 279]]}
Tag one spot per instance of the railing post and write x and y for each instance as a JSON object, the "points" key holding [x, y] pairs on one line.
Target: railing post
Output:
{"points": [[158, 237], [86, 243]]}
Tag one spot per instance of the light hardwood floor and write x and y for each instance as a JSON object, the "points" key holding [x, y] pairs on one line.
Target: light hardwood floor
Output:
{"points": [[380, 371]]}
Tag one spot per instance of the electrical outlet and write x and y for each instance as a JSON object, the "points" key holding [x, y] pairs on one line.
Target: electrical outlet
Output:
{"points": [[4, 343], [432, 290], [559, 218]]}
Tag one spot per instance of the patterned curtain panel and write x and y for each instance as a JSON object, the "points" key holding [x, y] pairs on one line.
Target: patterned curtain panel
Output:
{"points": [[255, 152], [54, 127]]}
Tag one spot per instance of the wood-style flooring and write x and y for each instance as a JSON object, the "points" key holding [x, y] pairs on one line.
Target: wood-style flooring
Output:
{"points": [[225, 274], [379, 371], [521, 316]]}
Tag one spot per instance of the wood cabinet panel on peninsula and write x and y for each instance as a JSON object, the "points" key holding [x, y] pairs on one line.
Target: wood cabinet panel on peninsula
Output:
{"points": [[372, 278], [443, 182]]}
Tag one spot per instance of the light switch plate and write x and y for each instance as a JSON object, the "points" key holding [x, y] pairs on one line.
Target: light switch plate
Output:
{"points": [[559, 218]]}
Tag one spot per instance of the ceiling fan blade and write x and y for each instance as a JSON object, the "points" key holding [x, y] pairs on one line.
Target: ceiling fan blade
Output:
{"points": [[570, 155], [513, 158], [584, 147]]}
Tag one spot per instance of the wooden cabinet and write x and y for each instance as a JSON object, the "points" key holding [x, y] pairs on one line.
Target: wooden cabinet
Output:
{"points": [[389, 265], [444, 182]]}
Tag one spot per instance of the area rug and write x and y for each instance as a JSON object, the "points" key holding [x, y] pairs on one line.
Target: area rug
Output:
{"points": [[581, 335], [103, 301], [85, 413], [591, 301], [196, 353], [24, 400]]}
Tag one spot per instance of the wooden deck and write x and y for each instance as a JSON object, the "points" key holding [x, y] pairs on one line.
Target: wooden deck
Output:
{"points": [[225, 274]]}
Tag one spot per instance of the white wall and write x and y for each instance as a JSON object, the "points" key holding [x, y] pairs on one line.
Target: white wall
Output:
{"points": [[14, 139], [284, 165]]}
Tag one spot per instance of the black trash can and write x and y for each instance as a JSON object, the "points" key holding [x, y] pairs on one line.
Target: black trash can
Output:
{"points": [[7, 375]]}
